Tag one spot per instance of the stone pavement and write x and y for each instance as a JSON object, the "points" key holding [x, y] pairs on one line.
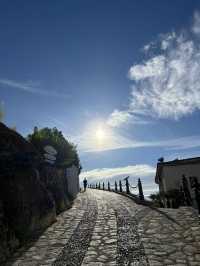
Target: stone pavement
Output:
{"points": [[105, 228]]}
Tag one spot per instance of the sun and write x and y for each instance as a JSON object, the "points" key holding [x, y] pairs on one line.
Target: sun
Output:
{"points": [[100, 134]]}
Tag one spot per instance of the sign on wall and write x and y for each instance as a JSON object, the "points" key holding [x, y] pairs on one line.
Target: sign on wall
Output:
{"points": [[50, 154]]}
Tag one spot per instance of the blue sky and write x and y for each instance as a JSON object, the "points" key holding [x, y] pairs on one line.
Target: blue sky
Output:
{"points": [[120, 78]]}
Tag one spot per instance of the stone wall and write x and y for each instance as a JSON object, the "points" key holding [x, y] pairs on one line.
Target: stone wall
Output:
{"points": [[56, 182], [8, 240], [72, 175], [31, 192], [28, 205]]}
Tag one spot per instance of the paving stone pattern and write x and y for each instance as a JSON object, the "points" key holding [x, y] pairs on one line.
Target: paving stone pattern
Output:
{"points": [[105, 228]]}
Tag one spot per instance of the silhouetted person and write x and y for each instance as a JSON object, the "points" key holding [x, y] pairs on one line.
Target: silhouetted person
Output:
{"points": [[85, 184]]}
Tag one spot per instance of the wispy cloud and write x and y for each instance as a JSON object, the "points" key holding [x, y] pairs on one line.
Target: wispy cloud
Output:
{"points": [[167, 84], [31, 87], [87, 142], [117, 118], [141, 170]]}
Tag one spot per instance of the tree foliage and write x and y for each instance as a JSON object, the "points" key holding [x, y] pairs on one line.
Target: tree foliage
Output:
{"points": [[67, 153], [1, 112]]}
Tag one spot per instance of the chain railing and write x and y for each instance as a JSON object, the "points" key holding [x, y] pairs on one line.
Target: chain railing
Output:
{"points": [[120, 187]]}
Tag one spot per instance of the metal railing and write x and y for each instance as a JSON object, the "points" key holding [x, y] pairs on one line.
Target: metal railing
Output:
{"points": [[122, 186]]}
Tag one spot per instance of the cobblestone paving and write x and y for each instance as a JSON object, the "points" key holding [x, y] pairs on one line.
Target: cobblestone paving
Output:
{"points": [[75, 249], [44, 251], [130, 248], [103, 246], [105, 228], [170, 237]]}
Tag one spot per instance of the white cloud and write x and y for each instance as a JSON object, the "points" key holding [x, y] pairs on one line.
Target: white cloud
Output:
{"points": [[196, 24], [31, 88], [117, 118], [152, 68], [147, 47], [167, 85], [166, 40], [87, 142], [141, 170]]}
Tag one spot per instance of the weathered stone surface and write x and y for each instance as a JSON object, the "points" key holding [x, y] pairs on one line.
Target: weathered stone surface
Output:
{"points": [[117, 235], [56, 182], [31, 192], [8, 240], [29, 206]]}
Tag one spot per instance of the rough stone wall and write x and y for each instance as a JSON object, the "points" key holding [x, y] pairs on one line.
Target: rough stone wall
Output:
{"points": [[28, 205], [72, 175], [8, 240], [56, 182], [31, 192]]}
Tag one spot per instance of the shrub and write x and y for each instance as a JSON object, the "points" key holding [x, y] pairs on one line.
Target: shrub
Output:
{"points": [[67, 153]]}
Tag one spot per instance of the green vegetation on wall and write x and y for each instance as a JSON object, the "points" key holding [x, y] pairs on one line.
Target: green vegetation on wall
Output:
{"points": [[67, 153]]}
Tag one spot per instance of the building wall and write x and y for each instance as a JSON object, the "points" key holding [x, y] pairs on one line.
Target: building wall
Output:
{"points": [[72, 174], [172, 175]]}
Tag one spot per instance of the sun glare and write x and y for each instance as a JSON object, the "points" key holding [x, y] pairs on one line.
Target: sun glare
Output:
{"points": [[100, 134]]}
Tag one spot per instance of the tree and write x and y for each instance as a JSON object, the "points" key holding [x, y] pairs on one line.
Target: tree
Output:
{"points": [[1, 112], [67, 153]]}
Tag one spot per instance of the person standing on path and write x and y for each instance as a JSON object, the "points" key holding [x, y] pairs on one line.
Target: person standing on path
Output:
{"points": [[85, 184]]}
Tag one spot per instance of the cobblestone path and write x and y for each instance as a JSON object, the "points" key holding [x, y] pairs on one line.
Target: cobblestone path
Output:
{"points": [[105, 228]]}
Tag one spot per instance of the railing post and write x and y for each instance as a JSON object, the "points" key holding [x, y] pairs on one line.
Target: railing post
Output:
{"points": [[197, 193], [141, 195], [115, 186], [120, 186], [108, 186], [103, 186], [127, 186], [186, 191]]}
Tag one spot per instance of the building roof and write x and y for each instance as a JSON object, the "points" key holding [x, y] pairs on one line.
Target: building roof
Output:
{"points": [[175, 162]]}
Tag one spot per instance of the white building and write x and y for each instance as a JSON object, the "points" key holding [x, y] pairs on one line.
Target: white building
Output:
{"points": [[169, 174], [72, 175]]}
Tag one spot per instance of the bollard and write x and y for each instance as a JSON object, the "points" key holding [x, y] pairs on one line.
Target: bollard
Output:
{"points": [[127, 186], [197, 193], [141, 195], [103, 186], [115, 186], [108, 186], [120, 186], [186, 191]]}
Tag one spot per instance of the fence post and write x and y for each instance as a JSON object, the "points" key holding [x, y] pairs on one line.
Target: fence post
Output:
{"points": [[186, 191], [127, 186], [103, 186], [141, 195], [120, 186], [108, 186], [115, 186], [196, 187]]}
